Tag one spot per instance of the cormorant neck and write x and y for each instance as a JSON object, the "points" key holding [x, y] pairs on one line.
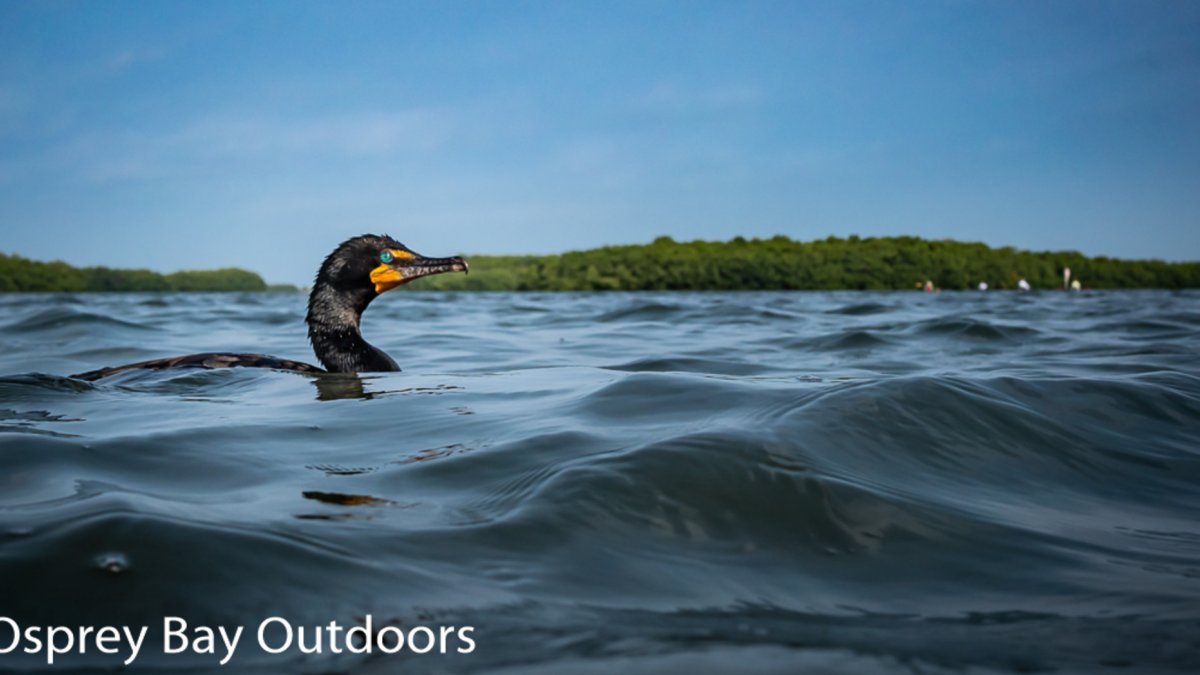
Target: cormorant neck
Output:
{"points": [[333, 319]]}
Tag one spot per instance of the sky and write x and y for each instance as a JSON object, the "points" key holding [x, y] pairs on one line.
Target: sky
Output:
{"points": [[192, 135]]}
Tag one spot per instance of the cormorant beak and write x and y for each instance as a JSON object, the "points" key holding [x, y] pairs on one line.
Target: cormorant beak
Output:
{"points": [[406, 266]]}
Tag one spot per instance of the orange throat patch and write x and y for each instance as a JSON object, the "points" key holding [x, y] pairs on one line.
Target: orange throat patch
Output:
{"points": [[386, 278]]}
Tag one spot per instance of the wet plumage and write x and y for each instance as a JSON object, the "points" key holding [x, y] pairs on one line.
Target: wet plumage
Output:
{"points": [[353, 275]]}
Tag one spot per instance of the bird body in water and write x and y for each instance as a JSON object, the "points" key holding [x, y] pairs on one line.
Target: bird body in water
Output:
{"points": [[357, 272]]}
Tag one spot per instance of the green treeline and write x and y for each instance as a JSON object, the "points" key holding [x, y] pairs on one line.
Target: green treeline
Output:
{"points": [[778, 263], [827, 264], [21, 274]]}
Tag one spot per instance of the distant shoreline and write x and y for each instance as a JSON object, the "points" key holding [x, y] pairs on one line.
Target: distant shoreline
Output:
{"points": [[22, 275], [778, 263], [834, 263]]}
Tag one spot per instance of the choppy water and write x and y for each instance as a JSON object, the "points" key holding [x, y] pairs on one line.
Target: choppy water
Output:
{"points": [[776, 482]]}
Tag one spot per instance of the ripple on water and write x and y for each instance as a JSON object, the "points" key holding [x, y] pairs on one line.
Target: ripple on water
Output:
{"points": [[974, 329], [848, 340], [861, 309], [690, 365], [58, 319]]}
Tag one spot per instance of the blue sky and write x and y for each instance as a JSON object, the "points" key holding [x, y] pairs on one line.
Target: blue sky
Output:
{"points": [[175, 135]]}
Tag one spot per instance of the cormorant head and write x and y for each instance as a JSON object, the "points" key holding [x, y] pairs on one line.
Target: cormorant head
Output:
{"points": [[378, 263]]}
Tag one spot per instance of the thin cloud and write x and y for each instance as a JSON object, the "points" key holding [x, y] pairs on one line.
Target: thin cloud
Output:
{"points": [[230, 139]]}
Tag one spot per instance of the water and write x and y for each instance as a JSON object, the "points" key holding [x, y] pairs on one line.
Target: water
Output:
{"points": [[687, 482]]}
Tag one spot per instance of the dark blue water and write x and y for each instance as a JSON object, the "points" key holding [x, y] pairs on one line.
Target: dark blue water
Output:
{"points": [[597, 483]]}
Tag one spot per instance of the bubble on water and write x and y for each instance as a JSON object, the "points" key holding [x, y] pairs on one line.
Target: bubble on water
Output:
{"points": [[112, 563]]}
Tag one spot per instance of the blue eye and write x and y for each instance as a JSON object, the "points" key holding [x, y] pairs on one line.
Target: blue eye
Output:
{"points": [[386, 256]]}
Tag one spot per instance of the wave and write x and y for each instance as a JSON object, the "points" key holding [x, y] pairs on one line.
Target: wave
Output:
{"points": [[692, 365], [861, 309], [975, 329], [846, 340], [642, 311], [57, 318]]}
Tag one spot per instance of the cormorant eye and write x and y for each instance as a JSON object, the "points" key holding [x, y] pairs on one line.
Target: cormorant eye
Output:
{"points": [[386, 257]]}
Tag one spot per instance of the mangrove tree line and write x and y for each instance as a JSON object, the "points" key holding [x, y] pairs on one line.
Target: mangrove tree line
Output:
{"points": [[22, 274], [780, 263]]}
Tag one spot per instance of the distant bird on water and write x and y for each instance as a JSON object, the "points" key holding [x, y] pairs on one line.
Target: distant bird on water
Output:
{"points": [[350, 278]]}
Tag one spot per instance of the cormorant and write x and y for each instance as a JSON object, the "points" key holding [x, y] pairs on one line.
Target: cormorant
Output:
{"points": [[350, 278]]}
